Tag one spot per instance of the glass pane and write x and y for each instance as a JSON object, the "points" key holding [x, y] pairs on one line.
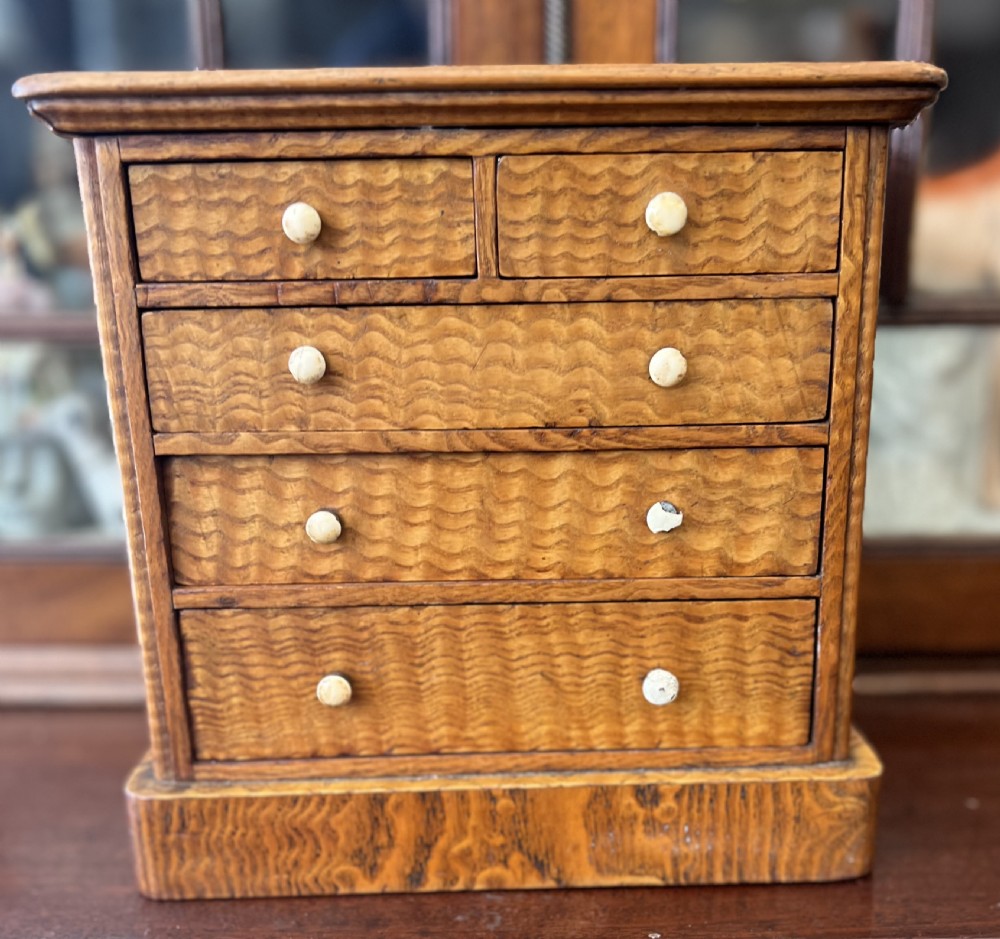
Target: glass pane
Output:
{"points": [[318, 33], [58, 473], [934, 464], [785, 30]]}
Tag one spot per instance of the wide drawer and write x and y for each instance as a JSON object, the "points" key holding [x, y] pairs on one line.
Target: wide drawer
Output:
{"points": [[488, 366], [584, 215], [486, 516], [466, 679], [380, 218]]}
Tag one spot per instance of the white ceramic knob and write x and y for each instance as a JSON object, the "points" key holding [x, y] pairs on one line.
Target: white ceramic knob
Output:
{"points": [[323, 527], [660, 687], [663, 516], [301, 223], [668, 367], [307, 365], [334, 691], [666, 213]]}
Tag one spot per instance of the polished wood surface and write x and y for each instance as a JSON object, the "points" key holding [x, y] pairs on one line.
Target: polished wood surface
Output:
{"points": [[745, 93], [381, 218], [67, 871], [484, 290], [437, 679], [225, 840], [573, 215], [544, 516], [496, 367]]}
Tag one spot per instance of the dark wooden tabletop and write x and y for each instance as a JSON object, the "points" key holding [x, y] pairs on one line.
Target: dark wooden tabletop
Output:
{"points": [[65, 869]]}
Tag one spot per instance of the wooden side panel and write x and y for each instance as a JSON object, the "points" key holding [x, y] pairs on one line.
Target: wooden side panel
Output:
{"points": [[487, 678], [104, 201], [607, 32], [573, 215], [539, 516], [774, 824], [381, 218], [496, 367]]}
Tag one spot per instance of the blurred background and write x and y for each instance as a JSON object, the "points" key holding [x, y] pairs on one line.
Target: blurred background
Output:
{"points": [[931, 577]]}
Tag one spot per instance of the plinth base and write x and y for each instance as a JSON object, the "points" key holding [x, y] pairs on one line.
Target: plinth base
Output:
{"points": [[692, 826]]}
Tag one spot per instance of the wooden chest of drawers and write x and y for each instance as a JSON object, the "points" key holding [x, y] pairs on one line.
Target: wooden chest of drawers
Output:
{"points": [[493, 444]]}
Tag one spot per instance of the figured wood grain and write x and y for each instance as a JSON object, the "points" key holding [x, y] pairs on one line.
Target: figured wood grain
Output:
{"points": [[742, 93], [577, 215], [878, 146], [854, 235], [536, 516], [475, 441], [104, 200], [485, 833], [475, 679], [492, 367], [443, 141], [257, 596], [483, 290], [381, 218]]}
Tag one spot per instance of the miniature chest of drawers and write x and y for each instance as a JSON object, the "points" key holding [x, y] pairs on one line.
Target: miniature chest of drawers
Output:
{"points": [[493, 446]]}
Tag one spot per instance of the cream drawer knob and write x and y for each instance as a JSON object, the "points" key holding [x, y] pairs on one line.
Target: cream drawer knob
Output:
{"points": [[660, 687], [301, 223], [323, 527], [668, 367], [663, 516], [307, 365], [334, 691], [666, 213]]}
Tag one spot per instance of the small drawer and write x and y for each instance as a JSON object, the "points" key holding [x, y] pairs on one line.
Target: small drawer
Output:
{"points": [[362, 218], [427, 368], [746, 213], [485, 678], [485, 516]]}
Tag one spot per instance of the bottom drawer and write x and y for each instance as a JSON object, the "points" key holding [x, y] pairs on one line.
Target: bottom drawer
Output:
{"points": [[495, 678]]}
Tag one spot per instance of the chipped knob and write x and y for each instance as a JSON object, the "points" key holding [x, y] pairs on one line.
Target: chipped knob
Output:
{"points": [[666, 213], [323, 527], [660, 687], [307, 365], [301, 223], [668, 367], [334, 691], [663, 516]]}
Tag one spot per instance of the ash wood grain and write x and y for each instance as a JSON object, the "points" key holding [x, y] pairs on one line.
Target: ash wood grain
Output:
{"points": [[381, 218], [432, 368], [491, 591], [475, 679], [475, 441], [443, 141], [542, 516], [552, 95], [105, 211], [868, 315], [575, 215], [679, 827], [837, 507], [483, 290]]}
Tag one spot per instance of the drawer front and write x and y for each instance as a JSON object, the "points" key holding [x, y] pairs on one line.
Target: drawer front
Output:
{"points": [[490, 366], [379, 218], [498, 678], [747, 213], [486, 516]]}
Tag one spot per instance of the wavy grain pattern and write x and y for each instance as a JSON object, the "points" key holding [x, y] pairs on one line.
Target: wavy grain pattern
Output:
{"points": [[491, 367], [381, 218], [478, 679], [454, 517], [748, 213]]}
